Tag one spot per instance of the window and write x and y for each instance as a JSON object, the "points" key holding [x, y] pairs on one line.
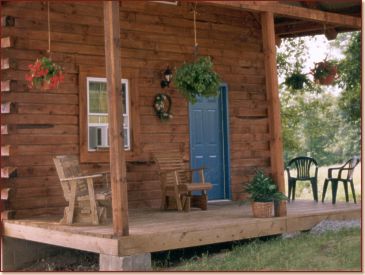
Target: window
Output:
{"points": [[97, 114]]}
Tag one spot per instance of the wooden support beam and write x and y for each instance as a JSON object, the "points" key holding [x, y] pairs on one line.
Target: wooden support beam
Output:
{"points": [[5, 151], [117, 155], [293, 11], [8, 172], [272, 93], [7, 21], [7, 42]]}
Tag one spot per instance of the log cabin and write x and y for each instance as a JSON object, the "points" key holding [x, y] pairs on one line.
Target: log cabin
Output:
{"points": [[98, 43]]}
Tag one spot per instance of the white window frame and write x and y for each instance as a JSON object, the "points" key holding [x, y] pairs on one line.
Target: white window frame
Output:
{"points": [[126, 115]]}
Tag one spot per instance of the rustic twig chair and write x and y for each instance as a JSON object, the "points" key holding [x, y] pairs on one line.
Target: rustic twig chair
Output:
{"points": [[176, 182], [86, 203], [303, 167], [345, 174]]}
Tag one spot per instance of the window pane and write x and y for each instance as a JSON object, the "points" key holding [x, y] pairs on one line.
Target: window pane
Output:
{"points": [[124, 98], [98, 102], [101, 119], [126, 138]]}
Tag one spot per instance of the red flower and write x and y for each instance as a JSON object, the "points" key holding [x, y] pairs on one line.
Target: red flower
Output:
{"points": [[45, 74]]}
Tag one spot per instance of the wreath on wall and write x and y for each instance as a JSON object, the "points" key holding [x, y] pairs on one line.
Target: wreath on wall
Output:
{"points": [[162, 105]]}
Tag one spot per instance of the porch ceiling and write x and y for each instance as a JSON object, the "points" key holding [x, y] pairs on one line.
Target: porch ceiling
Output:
{"points": [[302, 18]]}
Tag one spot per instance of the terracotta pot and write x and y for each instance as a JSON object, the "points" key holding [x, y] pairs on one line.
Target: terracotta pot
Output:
{"points": [[262, 209]]}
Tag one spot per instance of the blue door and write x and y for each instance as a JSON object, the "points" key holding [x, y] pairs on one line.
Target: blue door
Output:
{"points": [[208, 137]]}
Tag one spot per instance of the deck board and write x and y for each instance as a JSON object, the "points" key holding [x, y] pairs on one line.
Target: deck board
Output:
{"points": [[153, 230]]}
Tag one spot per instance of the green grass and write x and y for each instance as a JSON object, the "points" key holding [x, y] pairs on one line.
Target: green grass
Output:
{"points": [[304, 190], [330, 251]]}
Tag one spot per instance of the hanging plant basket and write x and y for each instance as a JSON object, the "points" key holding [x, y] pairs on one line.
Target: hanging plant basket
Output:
{"points": [[325, 72], [44, 74], [197, 79], [296, 81]]}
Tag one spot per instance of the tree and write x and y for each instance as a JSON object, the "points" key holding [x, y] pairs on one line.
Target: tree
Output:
{"points": [[311, 121], [350, 69]]}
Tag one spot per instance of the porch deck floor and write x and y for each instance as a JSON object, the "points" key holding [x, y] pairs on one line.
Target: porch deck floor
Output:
{"points": [[153, 230]]}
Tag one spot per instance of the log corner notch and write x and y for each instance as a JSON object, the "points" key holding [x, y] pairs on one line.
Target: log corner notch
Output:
{"points": [[272, 94], [116, 150]]}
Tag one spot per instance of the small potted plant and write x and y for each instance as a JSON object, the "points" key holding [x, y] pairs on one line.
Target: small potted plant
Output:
{"points": [[263, 193], [197, 79], [296, 80], [44, 74], [325, 72]]}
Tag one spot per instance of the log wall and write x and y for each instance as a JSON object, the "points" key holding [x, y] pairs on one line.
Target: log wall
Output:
{"points": [[42, 124]]}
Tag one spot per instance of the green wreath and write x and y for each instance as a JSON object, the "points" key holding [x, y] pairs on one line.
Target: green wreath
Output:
{"points": [[162, 105]]}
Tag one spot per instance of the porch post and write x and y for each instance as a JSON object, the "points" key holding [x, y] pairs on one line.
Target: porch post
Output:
{"points": [[116, 149], [272, 94]]}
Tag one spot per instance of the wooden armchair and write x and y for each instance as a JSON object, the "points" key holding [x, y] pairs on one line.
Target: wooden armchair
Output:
{"points": [[176, 182], [86, 203], [345, 175]]}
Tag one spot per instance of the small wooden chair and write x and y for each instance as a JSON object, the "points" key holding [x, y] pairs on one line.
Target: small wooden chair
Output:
{"points": [[86, 204], [176, 182], [345, 175]]}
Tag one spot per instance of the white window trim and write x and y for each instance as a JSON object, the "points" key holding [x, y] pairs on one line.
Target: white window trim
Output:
{"points": [[126, 114]]}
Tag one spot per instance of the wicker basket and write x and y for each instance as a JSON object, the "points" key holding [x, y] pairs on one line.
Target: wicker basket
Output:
{"points": [[262, 209]]}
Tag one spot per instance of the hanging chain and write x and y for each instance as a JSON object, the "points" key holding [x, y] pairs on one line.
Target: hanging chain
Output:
{"points": [[49, 29]]}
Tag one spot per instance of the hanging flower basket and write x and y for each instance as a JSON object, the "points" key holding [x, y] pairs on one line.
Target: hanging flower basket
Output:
{"points": [[44, 74], [325, 72], [296, 81], [197, 79]]}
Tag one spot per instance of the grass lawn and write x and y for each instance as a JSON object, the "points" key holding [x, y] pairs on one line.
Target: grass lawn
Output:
{"points": [[304, 190], [330, 251]]}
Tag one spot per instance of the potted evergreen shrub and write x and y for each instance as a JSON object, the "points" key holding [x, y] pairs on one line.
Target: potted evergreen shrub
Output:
{"points": [[197, 79], [325, 72], [263, 193]]}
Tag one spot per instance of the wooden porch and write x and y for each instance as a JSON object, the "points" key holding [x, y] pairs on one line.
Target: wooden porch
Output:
{"points": [[153, 230]]}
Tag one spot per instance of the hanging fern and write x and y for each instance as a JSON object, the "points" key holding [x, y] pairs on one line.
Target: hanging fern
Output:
{"points": [[197, 79]]}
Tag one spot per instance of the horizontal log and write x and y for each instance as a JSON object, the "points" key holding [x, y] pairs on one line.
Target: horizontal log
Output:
{"points": [[5, 64], [6, 193], [7, 21], [39, 119], [8, 172], [40, 139], [8, 214], [41, 98], [7, 108], [4, 129], [5, 151], [7, 42], [5, 85]]}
